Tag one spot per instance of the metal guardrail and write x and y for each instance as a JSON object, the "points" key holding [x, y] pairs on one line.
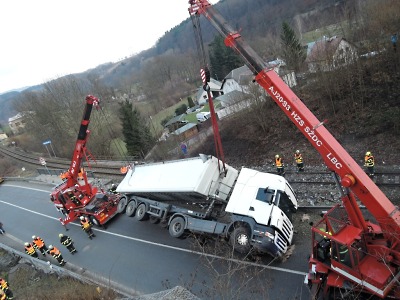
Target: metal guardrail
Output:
{"points": [[57, 172]]}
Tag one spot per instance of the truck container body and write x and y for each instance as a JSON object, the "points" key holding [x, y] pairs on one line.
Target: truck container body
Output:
{"points": [[249, 208], [188, 180]]}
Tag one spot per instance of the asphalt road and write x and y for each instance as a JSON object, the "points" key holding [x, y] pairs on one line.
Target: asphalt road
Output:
{"points": [[143, 257]]}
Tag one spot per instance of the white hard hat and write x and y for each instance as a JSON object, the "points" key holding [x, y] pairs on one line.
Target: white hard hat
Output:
{"points": [[33, 236], [276, 156], [297, 151], [26, 244], [60, 235], [82, 218], [51, 247]]}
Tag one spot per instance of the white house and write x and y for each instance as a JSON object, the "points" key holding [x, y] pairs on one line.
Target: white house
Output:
{"points": [[240, 79], [237, 80], [215, 90], [17, 123], [330, 53], [3, 136]]}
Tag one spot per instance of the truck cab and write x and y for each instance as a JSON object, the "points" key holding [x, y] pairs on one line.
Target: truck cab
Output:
{"points": [[270, 201]]}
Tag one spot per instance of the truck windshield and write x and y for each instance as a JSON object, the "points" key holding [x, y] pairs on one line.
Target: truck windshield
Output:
{"points": [[265, 195], [285, 204]]}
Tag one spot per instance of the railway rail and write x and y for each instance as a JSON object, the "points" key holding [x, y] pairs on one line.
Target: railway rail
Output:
{"points": [[315, 188], [387, 178]]}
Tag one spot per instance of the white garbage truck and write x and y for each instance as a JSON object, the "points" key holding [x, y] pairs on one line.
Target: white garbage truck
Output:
{"points": [[250, 209]]}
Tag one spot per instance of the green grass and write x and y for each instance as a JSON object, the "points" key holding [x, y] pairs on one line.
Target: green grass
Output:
{"points": [[328, 31], [170, 112]]}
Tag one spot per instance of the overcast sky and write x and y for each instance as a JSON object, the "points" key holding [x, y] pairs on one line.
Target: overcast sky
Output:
{"points": [[45, 39]]}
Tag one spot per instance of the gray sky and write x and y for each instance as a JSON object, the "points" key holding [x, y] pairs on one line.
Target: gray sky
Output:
{"points": [[45, 39]]}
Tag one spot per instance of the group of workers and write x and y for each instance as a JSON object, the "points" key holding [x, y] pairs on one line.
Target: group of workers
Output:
{"points": [[280, 167], [369, 162], [39, 245]]}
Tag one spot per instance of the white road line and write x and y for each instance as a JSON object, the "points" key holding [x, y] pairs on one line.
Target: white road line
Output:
{"points": [[167, 246]]}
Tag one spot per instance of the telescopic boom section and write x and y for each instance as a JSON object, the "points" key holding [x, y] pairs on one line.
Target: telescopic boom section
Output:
{"points": [[80, 146], [335, 156]]}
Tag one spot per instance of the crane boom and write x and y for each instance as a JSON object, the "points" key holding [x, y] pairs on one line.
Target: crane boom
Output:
{"points": [[380, 242]]}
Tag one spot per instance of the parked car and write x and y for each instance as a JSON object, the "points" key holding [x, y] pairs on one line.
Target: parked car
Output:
{"points": [[203, 116]]}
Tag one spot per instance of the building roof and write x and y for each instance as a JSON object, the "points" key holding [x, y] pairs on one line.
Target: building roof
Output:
{"points": [[241, 75], [215, 86], [184, 128], [324, 49], [177, 119], [16, 117], [232, 97]]}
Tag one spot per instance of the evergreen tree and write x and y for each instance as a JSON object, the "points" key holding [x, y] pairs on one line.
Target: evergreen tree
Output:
{"points": [[222, 58], [293, 52], [181, 109], [136, 133], [190, 101]]}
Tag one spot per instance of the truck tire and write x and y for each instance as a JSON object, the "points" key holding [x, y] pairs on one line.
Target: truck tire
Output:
{"points": [[177, 227], [130, 209], [141, 214], [121, 207], [240, 240]]}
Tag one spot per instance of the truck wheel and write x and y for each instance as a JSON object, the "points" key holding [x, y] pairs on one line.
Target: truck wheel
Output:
{"points": [[121, 207], [240, 240], [130, 209], [177, 227], [141, 214]]}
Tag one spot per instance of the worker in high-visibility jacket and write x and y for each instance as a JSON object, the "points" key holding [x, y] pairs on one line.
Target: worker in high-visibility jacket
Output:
{"points": [[369, 162], [39, 244], [29, 249], [57, 255], [3, 295], [113, 189], [280, 168], [87, 226], [298, 158], [5, 292], [67, 242]]}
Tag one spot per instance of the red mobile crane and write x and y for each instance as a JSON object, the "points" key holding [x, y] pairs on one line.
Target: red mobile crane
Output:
{"points": [[74, 198], [350, 254]]}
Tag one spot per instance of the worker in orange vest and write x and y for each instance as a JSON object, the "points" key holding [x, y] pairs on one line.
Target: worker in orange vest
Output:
{"points": [[29, 249], [39, 244], [87, 226], [280, 168], [57, 255], [298, 158], [5, 292]]}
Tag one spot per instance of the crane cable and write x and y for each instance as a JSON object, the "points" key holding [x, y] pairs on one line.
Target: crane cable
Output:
{"points": [[205, 74]]}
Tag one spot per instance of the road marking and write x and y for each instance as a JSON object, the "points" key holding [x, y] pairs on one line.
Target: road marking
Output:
{"points": [[168, 246], [28, 188]]}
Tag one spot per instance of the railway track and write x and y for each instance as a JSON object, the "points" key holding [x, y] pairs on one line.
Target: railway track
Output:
{"points": [[385, 178]]}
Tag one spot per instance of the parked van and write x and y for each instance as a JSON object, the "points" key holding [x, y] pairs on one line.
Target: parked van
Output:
{"points": [[203, 116]]}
